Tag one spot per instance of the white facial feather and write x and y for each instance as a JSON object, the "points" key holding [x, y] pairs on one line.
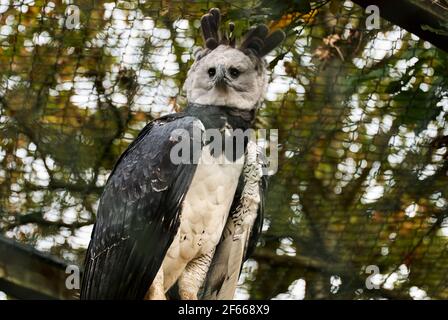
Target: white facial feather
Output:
{"points": [[243, 89]]}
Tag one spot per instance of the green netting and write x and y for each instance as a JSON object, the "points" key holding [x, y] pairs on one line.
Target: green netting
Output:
{"points": [[362, 180]]}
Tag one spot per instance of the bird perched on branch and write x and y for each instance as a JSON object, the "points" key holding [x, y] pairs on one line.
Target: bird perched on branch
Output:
{"points": [[182, 229]]}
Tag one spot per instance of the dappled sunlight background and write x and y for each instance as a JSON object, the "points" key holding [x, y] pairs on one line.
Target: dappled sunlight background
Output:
{"points": [[361, 114]]}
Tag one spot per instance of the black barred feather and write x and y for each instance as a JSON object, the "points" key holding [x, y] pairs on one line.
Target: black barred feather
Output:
{"points": [[210, 28], [272, 41], [207, 31], [259, 31], [216, 14], [256, 44], [257, 40], [260, 42]]}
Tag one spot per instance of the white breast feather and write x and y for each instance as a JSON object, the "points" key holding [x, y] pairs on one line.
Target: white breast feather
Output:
{"points": [[205, 211]]}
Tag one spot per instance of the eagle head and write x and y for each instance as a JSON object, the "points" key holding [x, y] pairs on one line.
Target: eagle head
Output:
{"points": [[225, 75]]}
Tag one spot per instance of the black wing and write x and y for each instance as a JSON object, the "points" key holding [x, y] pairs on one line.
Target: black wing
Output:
{"points": [[138, 214], [231, 252]]}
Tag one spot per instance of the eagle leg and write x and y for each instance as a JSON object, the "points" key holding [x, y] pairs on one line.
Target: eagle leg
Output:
{"points": [[156, 291], [194, 275]]}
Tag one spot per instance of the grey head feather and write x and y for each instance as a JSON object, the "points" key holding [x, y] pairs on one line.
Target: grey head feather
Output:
{"points": [[226, 74]]}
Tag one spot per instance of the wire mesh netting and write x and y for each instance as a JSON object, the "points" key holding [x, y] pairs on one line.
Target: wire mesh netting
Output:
{"points": [[358, 207]]}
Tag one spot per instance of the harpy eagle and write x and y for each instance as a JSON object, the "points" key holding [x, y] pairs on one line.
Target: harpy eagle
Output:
{"points": [[183, 229]]}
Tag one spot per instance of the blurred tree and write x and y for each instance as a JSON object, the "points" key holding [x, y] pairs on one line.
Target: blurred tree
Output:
{"points": [[361, 115]]}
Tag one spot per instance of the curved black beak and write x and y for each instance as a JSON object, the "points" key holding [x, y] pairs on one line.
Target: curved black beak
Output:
{"points": [[220, 77]]}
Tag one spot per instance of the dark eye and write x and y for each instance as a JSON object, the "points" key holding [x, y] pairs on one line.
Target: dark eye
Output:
{"points": [[234, 72], [211, 72]]}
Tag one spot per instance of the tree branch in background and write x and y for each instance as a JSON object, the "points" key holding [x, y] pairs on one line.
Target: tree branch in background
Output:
{"points": [[37, 218]]}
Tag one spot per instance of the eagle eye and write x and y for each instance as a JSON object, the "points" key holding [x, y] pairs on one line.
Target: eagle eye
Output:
{"points": [[234, 72], [211, 72]]}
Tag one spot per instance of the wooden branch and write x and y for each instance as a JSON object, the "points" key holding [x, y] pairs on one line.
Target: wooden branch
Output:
{"points": [[26, 273], [262, 254], [38, 218]]}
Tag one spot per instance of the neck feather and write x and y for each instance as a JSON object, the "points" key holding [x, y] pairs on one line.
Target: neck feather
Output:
{"points": [[217, 117]]}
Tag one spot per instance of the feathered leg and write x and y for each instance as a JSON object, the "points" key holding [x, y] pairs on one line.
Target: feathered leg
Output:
{"points": [[193, 276]]}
